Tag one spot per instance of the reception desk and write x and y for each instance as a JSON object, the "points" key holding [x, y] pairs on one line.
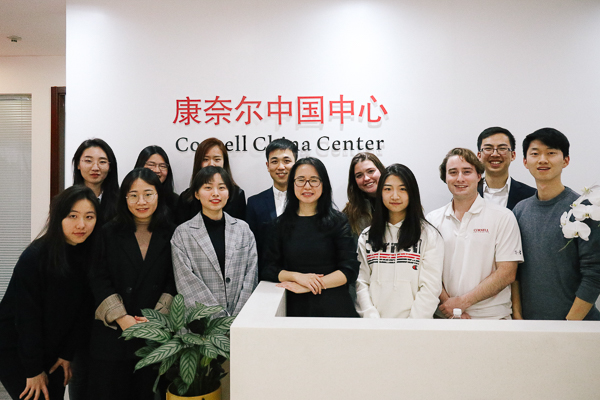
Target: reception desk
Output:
{"points": [[274, 357]]}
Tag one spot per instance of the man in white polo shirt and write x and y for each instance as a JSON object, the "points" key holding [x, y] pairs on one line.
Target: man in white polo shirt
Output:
{"points": [[482, 244]]}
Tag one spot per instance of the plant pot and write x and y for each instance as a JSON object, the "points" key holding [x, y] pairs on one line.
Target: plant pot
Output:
{"points": [[216, 395]]}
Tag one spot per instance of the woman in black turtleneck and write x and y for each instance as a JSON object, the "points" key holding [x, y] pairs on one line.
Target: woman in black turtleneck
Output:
{"points": [[40, 314]]}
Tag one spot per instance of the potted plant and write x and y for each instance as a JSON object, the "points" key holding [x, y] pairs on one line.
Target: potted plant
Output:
{"points": [[189, 346]]}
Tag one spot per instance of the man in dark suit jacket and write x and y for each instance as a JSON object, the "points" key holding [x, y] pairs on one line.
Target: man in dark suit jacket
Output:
{"points": [[496, 150], [266, 206]]}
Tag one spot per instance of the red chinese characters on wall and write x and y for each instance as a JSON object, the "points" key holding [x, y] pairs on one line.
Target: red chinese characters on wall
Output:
{"points": [[310, 110]]}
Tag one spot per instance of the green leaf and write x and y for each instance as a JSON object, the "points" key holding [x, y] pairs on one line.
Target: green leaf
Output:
{"points": [[130, 332], [155, 386], [180, 386], [188, 365], [145, 332], [205, 361], [208, 350], [220, 342], [144, 351], [167, 363], [155, 316], [164, 351], [219, 325], [177, 314], [194, 338], [202, 311]]}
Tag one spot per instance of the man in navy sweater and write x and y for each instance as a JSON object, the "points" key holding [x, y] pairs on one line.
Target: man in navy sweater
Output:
{"points": [[496, 150], [559, 279], [264, 207]]}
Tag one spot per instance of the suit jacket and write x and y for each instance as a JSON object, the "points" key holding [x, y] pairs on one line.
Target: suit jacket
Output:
{"points": [[140, 283], [197, 272], [518, 191], [260, 214]]}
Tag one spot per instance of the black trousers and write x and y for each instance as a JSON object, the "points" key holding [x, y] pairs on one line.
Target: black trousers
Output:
{"points": [[116, 380], [13, 378]]}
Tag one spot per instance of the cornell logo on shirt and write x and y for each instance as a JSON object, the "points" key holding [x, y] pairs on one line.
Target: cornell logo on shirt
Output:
{"points": [[484, 230]]}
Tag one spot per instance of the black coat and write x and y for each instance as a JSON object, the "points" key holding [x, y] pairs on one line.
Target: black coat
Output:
{"points": [[140, 282], [260, 215]]}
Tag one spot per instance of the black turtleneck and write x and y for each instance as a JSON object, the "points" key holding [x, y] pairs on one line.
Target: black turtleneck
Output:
{"points": [[216, 232]]}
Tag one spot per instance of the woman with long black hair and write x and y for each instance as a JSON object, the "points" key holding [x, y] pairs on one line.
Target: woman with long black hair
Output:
{"points": [[134, 273], [401, 254], [46, 299], [95, 166], [156, 159], [312, 252]]}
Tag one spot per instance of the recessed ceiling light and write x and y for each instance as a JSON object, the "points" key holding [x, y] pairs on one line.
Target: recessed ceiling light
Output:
{"points": [[14, 39]]}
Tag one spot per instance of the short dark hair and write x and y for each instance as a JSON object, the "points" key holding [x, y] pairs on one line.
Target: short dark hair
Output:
{"points": [[206, 174], [124, 218], [148, 152], [493, 131], [282, 144], [550, 137], [466, 155]]}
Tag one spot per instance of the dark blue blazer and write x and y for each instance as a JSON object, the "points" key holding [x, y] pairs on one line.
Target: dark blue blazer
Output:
{"points": [[518, 191], [260, 213]]}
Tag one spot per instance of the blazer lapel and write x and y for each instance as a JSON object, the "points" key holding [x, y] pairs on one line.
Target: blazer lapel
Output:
{"points": [[158, 241], [200, 235], [270, 203], [230, 241], [131, 247]]}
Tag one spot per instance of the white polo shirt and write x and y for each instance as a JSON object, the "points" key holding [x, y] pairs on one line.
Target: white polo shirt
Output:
{"points": [[487, 234]]}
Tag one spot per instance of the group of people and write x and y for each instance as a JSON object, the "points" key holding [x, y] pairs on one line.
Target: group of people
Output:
{"points": [[108, 252]]}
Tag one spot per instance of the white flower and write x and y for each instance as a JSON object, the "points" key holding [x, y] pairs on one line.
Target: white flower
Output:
{"points": [[592, 194], [576, 229], [595, 212], [564, 218], [582, 212]]}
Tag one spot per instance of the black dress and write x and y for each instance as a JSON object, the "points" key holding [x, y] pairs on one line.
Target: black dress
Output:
{"points": [[188, 206], [309, 249], [41, 317]]}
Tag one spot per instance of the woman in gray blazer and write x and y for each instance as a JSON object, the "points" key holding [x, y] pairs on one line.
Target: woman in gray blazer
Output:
{"points": [[214, 254]]}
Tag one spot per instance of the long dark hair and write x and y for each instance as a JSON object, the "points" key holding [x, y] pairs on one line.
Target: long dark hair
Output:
{"points": [[53, 235], [148, 152], [410, 231], [358, 208], [110, 185], [326, 213], [124, 219], [201, 151]]}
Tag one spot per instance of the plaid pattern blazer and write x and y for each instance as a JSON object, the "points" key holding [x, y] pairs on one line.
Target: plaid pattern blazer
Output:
{"points": [[197, 272]]}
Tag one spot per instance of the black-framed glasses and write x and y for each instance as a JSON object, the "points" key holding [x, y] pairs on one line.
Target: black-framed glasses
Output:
{"points": [[161, 166], [489, 150], [313, 182]]}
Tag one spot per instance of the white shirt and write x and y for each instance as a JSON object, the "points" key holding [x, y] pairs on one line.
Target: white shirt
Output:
{"points": [[279, 200], [487, 234], [497, 196]]}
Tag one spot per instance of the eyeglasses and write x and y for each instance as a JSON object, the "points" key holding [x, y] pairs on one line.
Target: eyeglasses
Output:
{"points": [[134, 197], [88, 162], [489, 150], [162, 166], [313, 182]]}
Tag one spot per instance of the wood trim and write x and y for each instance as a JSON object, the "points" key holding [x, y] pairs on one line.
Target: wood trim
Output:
{"points": [[57, 140]]}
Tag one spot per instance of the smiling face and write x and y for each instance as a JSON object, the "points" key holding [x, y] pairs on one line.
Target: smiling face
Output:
{"points": [[544, 163], [495, 163], [461, 178], [94, 166], [367, 176], [308, 194], [79, 224], [279, 165], [213, 157], [213, 196], [142, 201], [158, 165], [395, 198]]}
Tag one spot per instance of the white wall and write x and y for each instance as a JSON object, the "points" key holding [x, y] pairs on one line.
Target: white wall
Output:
{"points": [[443, 70], [276, 358], [36, 75]]}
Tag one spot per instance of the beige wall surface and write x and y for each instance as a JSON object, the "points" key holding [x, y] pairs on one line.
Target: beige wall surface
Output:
{"points": [[36, 75]]}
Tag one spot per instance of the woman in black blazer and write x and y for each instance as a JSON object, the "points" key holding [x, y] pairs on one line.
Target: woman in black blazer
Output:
{"points": [[135, 273], [41, 312]]}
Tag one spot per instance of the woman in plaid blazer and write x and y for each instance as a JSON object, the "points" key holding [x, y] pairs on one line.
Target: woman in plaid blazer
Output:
{"points": [[214, 254]]}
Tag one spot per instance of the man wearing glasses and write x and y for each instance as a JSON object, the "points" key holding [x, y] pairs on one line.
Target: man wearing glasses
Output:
{"points": [[496, 150]]}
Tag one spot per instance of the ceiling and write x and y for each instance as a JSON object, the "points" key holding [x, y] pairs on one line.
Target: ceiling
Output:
{"points": [[40, 23]]}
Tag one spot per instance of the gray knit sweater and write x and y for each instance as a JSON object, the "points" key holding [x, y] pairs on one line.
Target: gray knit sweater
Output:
{"points": [[551, 278]]}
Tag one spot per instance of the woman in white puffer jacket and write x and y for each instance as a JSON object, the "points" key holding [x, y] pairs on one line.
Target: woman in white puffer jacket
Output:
{"points": [[401, 254]]}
